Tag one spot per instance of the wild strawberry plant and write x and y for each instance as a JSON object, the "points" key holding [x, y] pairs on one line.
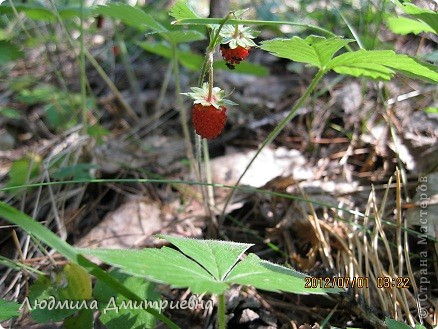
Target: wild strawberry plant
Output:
{"points": [[209, 265]]}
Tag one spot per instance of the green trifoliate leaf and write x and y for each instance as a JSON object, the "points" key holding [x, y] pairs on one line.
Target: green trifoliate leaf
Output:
{"points": [[206, 266]]}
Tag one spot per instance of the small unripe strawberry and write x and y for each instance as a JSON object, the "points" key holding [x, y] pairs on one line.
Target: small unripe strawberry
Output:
{"points": [[208, 111], [208, 120], [235, 45]]}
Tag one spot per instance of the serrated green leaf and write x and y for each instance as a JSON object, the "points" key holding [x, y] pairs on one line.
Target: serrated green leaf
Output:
{"points": [[381, 64], [217, 257], [268, 276], [125, 317], [132, 16], [163, 265], [9, 52], [316, 51], [170, 266], [404, 25], [182, 10], [9, 309]]}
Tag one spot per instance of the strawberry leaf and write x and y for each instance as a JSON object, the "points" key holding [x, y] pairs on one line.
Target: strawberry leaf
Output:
{"points": [[313, 50], [205, 266], [381, 64]]}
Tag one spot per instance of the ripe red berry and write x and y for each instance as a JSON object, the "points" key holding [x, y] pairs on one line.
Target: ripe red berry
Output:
{"points": [[208, 121], [235, 44], [209, 111], [234, 56]]}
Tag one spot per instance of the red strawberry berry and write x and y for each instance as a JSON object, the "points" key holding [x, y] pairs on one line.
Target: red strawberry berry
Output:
{"points": [[208, 120], [235, 44], [208, 111], [234, 56]]}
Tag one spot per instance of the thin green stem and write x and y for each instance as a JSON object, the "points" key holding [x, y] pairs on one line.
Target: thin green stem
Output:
{"points": [[236, 30], [213, 42], [210, 76], [83, 81], [274, 134], [204, 21], [221, 312]]}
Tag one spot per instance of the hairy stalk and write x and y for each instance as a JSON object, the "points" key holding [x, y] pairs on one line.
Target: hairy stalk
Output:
{"points": [[83, 80], [209, 180], [183, 115], [221, 312], [274, 134]]}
